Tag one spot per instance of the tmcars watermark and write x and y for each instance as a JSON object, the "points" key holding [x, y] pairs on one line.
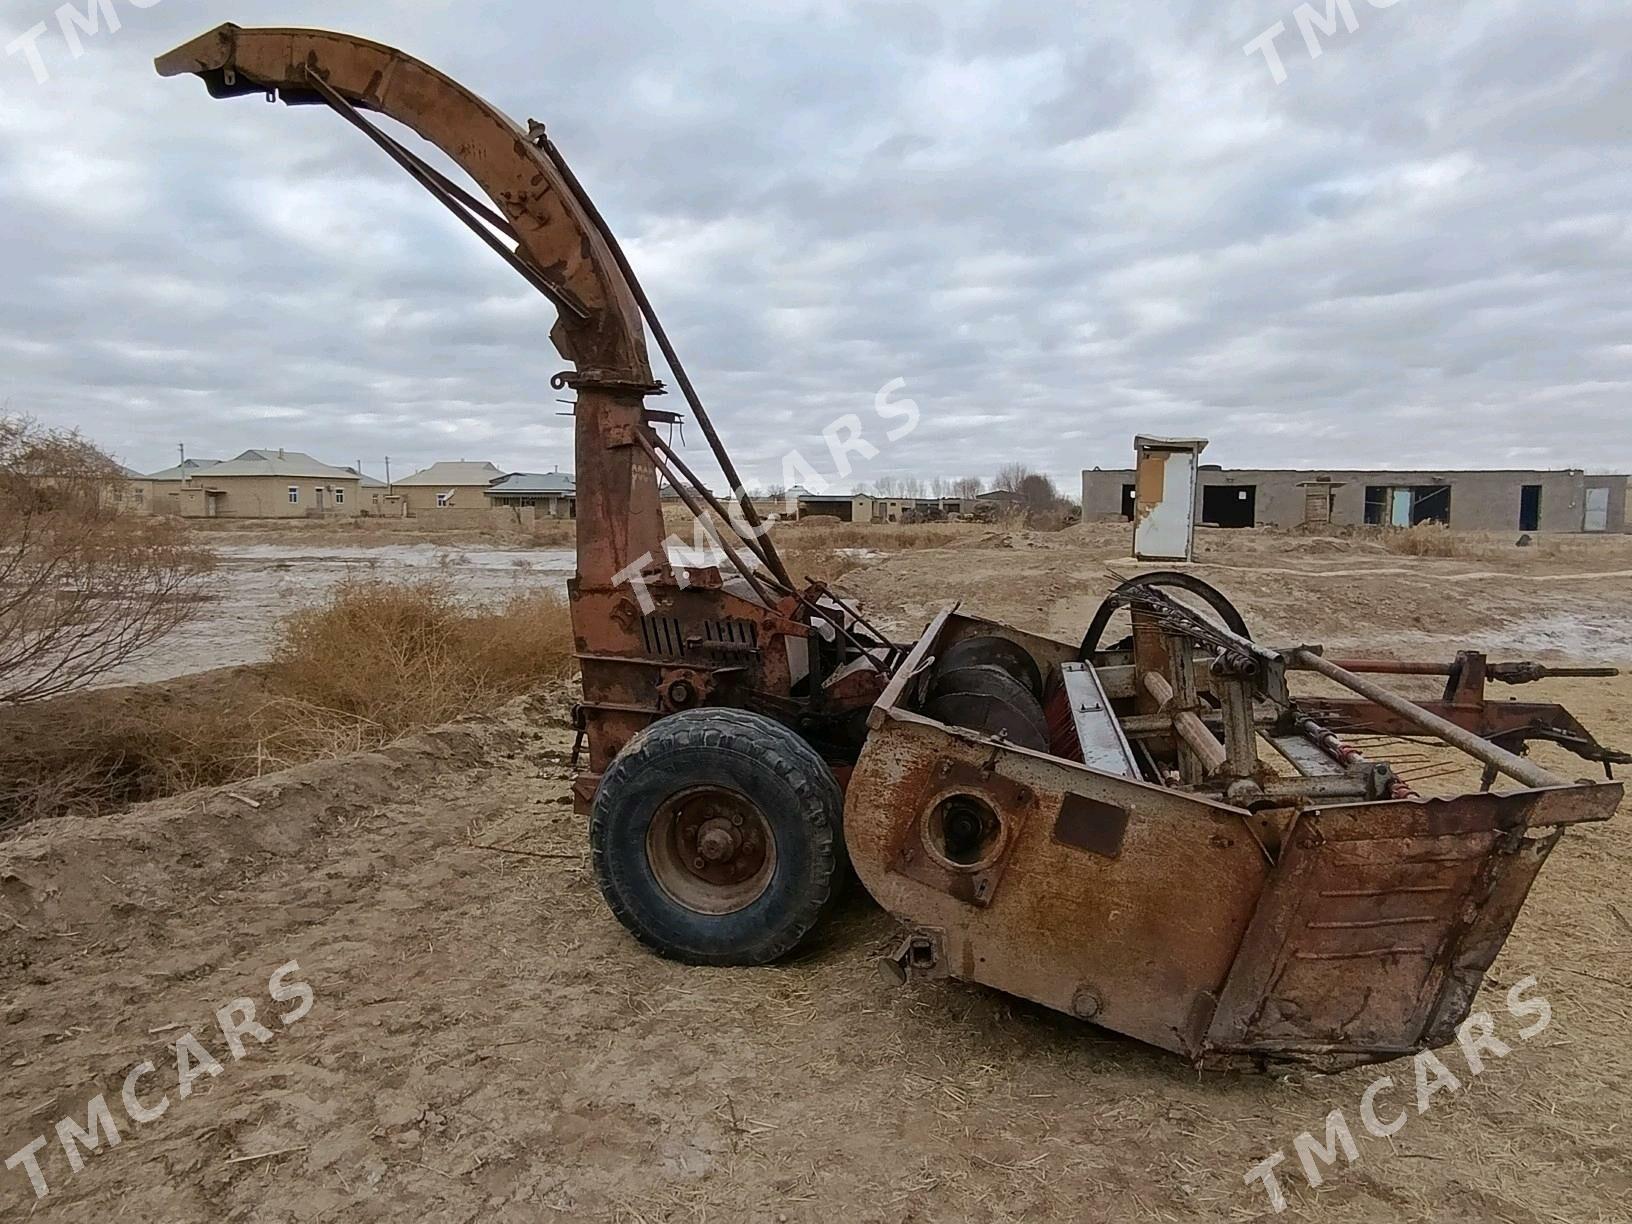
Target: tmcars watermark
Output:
{"points": [[1477, 1040], [844, 437], [1311, 24], [193, 1061], [74, 26]]}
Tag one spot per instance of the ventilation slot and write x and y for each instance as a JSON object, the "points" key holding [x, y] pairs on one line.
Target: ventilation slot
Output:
{"points": [[662, 637]]}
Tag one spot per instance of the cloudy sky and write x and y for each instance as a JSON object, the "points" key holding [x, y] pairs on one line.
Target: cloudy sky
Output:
{"points": [[1059, 223]]}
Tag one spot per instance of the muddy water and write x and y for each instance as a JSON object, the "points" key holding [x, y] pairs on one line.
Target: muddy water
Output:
{"points": [[256, 584]]}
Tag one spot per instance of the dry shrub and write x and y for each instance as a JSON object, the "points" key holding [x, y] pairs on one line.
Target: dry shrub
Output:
{"points": [[84, 585], [101, 751], [1438, 540], [830, 550], [376, 661], [883, 537], [1423, 540], [402, 655]]}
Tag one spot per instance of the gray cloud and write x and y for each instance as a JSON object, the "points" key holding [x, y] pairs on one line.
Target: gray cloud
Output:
{"points": [[1060, 224]]}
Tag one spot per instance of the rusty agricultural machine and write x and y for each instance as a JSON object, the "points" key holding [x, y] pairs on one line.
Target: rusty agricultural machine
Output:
{"points": [[1152, 833]]}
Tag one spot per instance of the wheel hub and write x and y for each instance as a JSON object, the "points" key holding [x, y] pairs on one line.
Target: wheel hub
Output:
{"points": [[718, 841], [711, 850]]}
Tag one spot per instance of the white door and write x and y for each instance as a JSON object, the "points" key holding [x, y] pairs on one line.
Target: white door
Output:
{"points": [[1165, 506], [1399, 508], [1597, 509]]}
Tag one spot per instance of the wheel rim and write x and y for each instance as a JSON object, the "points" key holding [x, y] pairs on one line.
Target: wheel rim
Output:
{"points": [[711, 850]]}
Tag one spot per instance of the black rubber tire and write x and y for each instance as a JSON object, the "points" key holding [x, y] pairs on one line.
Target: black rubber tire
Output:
{"points": [[794, 791]]}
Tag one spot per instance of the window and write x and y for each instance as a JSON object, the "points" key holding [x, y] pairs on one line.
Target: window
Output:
{"points": [[339, 497], [294, 495], [441, 501]]}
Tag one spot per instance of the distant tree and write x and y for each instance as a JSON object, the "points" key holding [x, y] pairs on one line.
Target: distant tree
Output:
{"points": [[1037, 492], [967, 486], [1010, 476], [84, 586]]}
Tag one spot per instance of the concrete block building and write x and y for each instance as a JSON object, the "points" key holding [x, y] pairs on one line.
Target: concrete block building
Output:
{"points": [[258, 484], [1492, 500], [448, 486], [548, 494]]}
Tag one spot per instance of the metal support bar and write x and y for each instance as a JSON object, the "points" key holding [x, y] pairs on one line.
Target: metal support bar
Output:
{"points": [[542, 141], [890, 648], [1479, 749], [650, 443], [1501, 673], [1240, 728], [455, 198], [697, 512], [713, 502]]}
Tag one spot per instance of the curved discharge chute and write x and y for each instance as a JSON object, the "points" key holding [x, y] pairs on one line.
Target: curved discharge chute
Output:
{"points": [[560, 248]]}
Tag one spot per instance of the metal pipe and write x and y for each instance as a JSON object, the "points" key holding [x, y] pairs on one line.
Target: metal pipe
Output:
{"points": [[451, 194], [1392, 667], [1348, 756], [1187, 725], [697, 512], [713, 502], [1511, 764], [1501, 673]]}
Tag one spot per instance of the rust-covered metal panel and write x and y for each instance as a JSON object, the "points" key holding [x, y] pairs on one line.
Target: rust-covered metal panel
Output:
{"points": [[1379, 920], [1066, 925], [1359, 933]]}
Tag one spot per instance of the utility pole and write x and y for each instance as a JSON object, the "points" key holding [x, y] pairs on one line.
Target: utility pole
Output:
{"points": [[388, 473]]}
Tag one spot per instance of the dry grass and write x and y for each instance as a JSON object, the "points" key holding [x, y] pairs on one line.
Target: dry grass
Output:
{"points": [[401, 656], [882, 537], [1437, 540], [376, 661], [830, 550]]}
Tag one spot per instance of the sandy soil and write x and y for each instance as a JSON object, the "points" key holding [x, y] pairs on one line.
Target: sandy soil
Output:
{"points": [[485, 1043]]}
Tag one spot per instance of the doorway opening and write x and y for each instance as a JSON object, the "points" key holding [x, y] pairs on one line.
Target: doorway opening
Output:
{"points": [[1229, 506], [1530, 508], [1408, 506]]}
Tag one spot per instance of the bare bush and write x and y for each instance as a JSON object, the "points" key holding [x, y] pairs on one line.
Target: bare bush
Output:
{"points": [[1040, 503], [396, 656], [84, 587], [374, 662]]}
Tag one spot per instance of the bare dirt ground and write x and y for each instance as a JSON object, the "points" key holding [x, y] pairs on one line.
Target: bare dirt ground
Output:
{"points": [[485, 1042]]}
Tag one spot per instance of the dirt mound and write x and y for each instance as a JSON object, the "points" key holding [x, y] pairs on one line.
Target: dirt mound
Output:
{"points": [[63, 876]]}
